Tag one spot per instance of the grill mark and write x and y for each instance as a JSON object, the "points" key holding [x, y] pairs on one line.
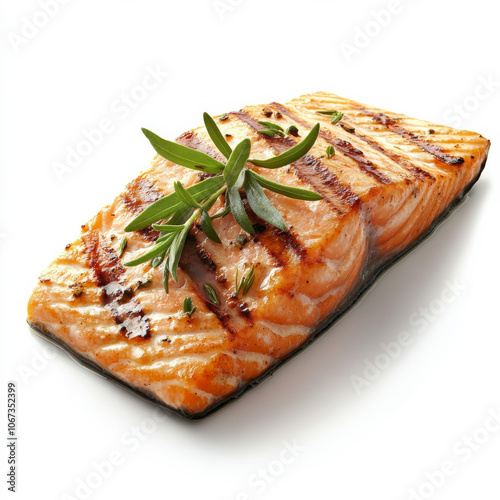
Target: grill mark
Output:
{"points": [[204, 257], [429, 147], [308, 169], [418, 172], [196, 263], [138, 195], [277, 243], [149, 234], [273, 254], [285, 240], [108, 271], [102, 259], [343, 146]]}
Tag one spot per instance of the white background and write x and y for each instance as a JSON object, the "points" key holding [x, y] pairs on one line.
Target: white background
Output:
{"points": [[377, 443]]}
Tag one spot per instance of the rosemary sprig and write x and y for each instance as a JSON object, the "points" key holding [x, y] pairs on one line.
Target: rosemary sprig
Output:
{"points": [[174, 215]]}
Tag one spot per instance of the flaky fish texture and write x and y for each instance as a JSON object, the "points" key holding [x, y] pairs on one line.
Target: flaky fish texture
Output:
{"points": [[391, 179]]}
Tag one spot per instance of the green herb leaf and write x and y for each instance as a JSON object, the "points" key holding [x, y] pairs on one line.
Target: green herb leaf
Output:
{"points": [[166, 276], [238, 210], [293, 154], [184, 195], [123, 245], [212, 294], [216, 135], [330, 151], [260, 204], [249, 279], [181, 155], [271, 132], [187, 306], [156, 261], [167, 206], [208, 228], [168, 228], [163, 237], [271, 125], [236, 162], [290, 192], [266, 131], [157, 249], [182, 215], [336, 117], [175, 251], [246, 282]]}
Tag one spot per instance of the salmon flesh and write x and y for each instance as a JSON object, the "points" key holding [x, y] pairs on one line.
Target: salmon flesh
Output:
{"points": [[390, 180]]}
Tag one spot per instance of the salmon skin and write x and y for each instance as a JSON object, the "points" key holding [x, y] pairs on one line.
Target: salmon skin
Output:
{"points": [[390, 180]]}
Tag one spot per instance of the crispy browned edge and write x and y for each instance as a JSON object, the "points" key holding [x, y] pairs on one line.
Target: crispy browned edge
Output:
{"points": [[348, 303]]}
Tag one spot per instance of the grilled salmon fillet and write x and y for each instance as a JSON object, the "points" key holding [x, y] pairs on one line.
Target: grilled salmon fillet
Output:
{"points": [[391, 179]]}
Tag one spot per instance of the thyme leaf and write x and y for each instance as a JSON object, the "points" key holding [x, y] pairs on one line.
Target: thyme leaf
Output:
{"points": [[212, 294], [246, 282], [122, 247], [187, 306]]}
